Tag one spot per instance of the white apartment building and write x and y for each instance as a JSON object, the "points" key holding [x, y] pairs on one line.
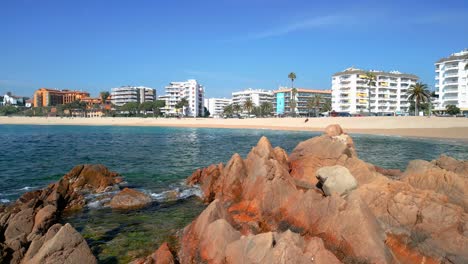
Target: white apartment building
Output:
{"points": [[128, 94], [216, 105], [190, 90], [452, 81], [389, 96], [257, 96]]}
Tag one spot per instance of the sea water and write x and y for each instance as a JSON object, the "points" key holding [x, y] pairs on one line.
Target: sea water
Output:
{"points": [[156, 160]]}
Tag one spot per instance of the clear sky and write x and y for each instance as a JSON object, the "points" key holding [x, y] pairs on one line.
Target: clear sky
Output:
{"points": [[95, 45]]}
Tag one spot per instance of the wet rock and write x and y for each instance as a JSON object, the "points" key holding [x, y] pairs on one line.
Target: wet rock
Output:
{"points": [[130, 199], [336, 179], [27, 224]]}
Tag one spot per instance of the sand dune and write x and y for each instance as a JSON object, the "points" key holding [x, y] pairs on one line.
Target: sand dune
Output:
{"points": [[430, 127]]}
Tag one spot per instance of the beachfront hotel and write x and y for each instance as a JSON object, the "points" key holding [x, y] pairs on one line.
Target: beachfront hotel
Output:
{"points": [[452, 81], [52, 97], [216, 106], [190, 90], [257, 96], [388, 96], [282, 100], [132, 94]]}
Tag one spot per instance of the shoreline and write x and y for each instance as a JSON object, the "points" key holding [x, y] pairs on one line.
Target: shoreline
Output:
{"points": [[412, 127]]}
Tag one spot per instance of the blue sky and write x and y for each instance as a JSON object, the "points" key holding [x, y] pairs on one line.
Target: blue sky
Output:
{"points": [[226, 45]]}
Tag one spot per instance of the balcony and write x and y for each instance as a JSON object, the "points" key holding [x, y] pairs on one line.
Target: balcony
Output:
{"points": [[451, 67], [450, 90], [448, 75]]}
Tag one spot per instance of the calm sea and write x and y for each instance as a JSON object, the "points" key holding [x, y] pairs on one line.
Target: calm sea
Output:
{"points": [[156, 159]]}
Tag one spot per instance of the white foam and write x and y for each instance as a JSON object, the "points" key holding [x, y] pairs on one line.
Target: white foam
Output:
{"points": [[177, 194], [4, 201], [26, 188]]}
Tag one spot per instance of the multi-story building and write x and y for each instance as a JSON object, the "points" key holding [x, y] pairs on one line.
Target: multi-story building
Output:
{"points": [[282, 100], [257, 96], [216, 105], [132, 94], [53, 97], [452, 81], [191, 90], [350, 92]]}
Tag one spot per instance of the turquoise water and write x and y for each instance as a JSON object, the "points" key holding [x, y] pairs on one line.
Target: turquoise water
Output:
{"points": [[158, 159]]}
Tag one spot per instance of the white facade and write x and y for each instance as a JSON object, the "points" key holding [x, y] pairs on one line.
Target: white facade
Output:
{"points": [[389, 96], [257, 96], [452, 81], [216, 105], [190, 90], [132, 94]]}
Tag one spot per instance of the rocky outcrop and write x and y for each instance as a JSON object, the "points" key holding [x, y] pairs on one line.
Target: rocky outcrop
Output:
{"points": [[130, 199], [28, 230], [271, 208]]}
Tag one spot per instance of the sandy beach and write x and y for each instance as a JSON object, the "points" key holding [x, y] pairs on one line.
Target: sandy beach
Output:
{"points": [[427, 127]]}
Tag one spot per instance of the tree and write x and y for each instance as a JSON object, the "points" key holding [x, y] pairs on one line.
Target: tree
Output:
{"points": [[131, 107], [236, 108], [371, 78], [182, 104], [206, 112], [157, 105], [418, 93], [248, 105], [452, 109], [317, 101], [146, 106], [228, 110], [292, 102], [327, 106], [8, 110], [266, 108], [292, 76], [104, 95], [310, 105]]}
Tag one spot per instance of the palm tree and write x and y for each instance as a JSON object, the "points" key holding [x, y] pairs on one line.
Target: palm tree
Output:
{"points": [[292, 76], [327, 106], [104, 95], [236, 108], [228, 110], [266, 108], [371, 78], [310, 105], [248, 106], [317, 101], [419, 93]]}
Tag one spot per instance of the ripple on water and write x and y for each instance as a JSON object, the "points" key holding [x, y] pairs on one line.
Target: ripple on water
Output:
{"points": [[156, 160]]}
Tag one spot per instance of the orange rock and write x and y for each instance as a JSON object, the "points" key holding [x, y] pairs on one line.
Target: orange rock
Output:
{"points": [[333, 130], [129, 199]]}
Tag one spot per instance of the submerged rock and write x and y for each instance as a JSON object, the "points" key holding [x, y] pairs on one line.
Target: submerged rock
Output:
{"points": [[130, 199]]}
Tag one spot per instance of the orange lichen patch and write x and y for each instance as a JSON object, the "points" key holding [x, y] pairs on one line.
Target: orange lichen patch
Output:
{"points": [[245, 211], [404, 254]]}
